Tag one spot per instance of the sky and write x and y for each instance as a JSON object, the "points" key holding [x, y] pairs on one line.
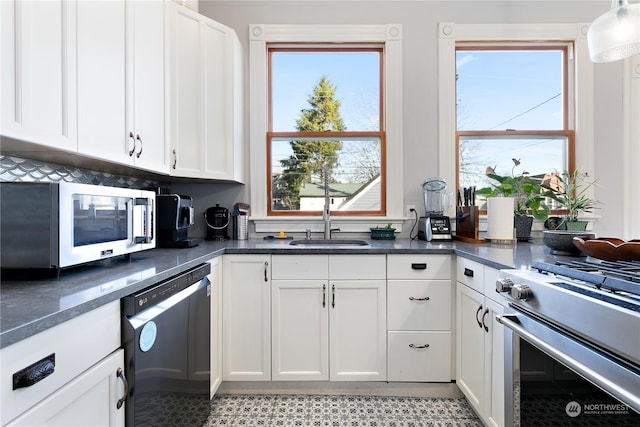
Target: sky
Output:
{"points": [[296, 75]]}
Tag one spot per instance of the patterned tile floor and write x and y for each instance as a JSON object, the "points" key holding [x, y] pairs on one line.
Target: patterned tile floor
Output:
{"points": [[321, 410]]}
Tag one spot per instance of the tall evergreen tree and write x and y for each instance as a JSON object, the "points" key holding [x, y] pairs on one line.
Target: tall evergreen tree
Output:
{"points": [[309, 157]]}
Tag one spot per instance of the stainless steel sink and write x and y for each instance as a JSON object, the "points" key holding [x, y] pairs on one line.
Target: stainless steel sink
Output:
{"points": [[329, 242]]}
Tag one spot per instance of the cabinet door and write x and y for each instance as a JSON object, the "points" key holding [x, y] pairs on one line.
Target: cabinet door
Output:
{"points": [[185, 106], [470, 345], [223, 102], [218, 98], [206, 97], [300, 348], [146, 84], [38, 72], [89, 399], [357, 330], [215, 277], [246, 318], [102, 74], [494, 365]]}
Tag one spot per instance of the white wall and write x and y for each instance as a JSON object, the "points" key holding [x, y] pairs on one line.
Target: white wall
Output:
{"points": [[420, 23]]}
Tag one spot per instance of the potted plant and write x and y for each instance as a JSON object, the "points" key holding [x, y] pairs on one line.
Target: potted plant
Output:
{"points": [[569, 191], [528, 195], [383, 233]]}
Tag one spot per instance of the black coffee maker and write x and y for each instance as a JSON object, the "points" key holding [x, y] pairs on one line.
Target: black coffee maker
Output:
{"points": [[175, 216], [217, 220]]}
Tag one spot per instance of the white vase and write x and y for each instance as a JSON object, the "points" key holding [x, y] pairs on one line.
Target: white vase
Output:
{"points": [[500, 218]]}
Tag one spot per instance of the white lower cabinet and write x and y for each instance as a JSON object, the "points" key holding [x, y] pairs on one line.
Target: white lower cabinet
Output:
{"points": [[329, 317], [419, 307], [357, 330], [90, 399], [480, 341], [300, 317], [246, 312], [82, 360]]}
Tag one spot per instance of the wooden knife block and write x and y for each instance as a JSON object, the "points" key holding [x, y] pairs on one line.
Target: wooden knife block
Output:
{"points": [[467, 224]]}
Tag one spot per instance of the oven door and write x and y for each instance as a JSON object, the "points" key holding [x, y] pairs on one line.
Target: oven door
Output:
{"points": [[551, 378]]}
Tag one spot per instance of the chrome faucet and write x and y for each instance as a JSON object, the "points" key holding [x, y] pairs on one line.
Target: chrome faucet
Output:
{"points": [[326, 212]]}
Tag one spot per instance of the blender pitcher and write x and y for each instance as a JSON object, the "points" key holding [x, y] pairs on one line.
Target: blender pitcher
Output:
{"points": [[435, 196]]}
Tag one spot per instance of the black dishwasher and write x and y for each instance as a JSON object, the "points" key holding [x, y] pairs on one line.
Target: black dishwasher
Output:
{"points": [[166, 338]]}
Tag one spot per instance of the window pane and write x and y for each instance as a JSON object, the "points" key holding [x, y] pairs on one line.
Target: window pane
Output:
{"points": [[297, 174], [355, 76], [509, 89], [537, 156]]}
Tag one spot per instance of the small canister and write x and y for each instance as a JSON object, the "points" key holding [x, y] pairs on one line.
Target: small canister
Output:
{"points": [[240, 227], [241, 221]]}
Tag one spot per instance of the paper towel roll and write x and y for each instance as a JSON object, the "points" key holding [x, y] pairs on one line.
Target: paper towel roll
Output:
{"points": [[500, 218]]}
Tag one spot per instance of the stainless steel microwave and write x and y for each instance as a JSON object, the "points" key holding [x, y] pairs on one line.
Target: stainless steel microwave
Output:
{"points": [[57, 225]]}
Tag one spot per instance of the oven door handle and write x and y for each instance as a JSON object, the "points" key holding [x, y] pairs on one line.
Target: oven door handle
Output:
{"points": [[511, 322]]}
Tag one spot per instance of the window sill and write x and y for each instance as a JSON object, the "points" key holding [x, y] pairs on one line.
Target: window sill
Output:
{"points": [[316, 225]]}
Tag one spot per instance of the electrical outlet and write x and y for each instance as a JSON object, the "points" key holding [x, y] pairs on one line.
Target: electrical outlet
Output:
{"points": [[411, 208]]}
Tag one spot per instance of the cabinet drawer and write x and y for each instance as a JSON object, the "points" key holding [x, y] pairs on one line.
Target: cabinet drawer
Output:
{"points": [[285, 267], [409, 362], [77, 344], [491, 276], [419, 305], [419, 267], [471, 273], [357, 267]]}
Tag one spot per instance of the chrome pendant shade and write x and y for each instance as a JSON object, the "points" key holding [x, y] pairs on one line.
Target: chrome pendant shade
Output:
{"points": [[616, 34]]}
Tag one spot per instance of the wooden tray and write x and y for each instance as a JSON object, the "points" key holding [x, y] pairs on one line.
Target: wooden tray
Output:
{"points": [[609, 248]]}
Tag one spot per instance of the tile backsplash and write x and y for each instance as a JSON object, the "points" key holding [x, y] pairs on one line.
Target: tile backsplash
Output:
{"points": [[17, 169]]}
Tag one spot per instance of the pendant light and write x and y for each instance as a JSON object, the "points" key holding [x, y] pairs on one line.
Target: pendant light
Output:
{"points": [[616, 34]]}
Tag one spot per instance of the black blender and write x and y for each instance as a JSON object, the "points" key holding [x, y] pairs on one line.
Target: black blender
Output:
{"points": [[434, 225]]}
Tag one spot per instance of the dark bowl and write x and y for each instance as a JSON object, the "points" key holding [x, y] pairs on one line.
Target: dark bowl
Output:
{"points": [[561, 241]]}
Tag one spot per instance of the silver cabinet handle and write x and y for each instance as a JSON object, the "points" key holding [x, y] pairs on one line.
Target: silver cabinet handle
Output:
{"points": [[419, 299], [139, 152], [418, 346], [133, 147], [120, 374], [266, 278], [324, 296]]}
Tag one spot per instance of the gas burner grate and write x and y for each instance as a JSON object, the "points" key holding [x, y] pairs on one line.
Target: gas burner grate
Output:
{"points": [[618, 276]]}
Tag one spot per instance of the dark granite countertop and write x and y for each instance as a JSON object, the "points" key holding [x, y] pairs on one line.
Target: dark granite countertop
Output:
{"points": [[31, 306]]}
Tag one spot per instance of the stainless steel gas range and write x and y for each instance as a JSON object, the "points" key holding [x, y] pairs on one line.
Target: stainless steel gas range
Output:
{"points": [[572, 343]]}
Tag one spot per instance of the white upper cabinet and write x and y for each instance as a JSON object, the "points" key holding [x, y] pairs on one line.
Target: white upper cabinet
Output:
{"points": [[205, 103], [38, 72], [120, 75], [147, 84]]}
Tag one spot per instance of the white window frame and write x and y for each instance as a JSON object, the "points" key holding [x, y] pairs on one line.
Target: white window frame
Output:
{"points": [[582, 119], [259, 37], [631, 149]]}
